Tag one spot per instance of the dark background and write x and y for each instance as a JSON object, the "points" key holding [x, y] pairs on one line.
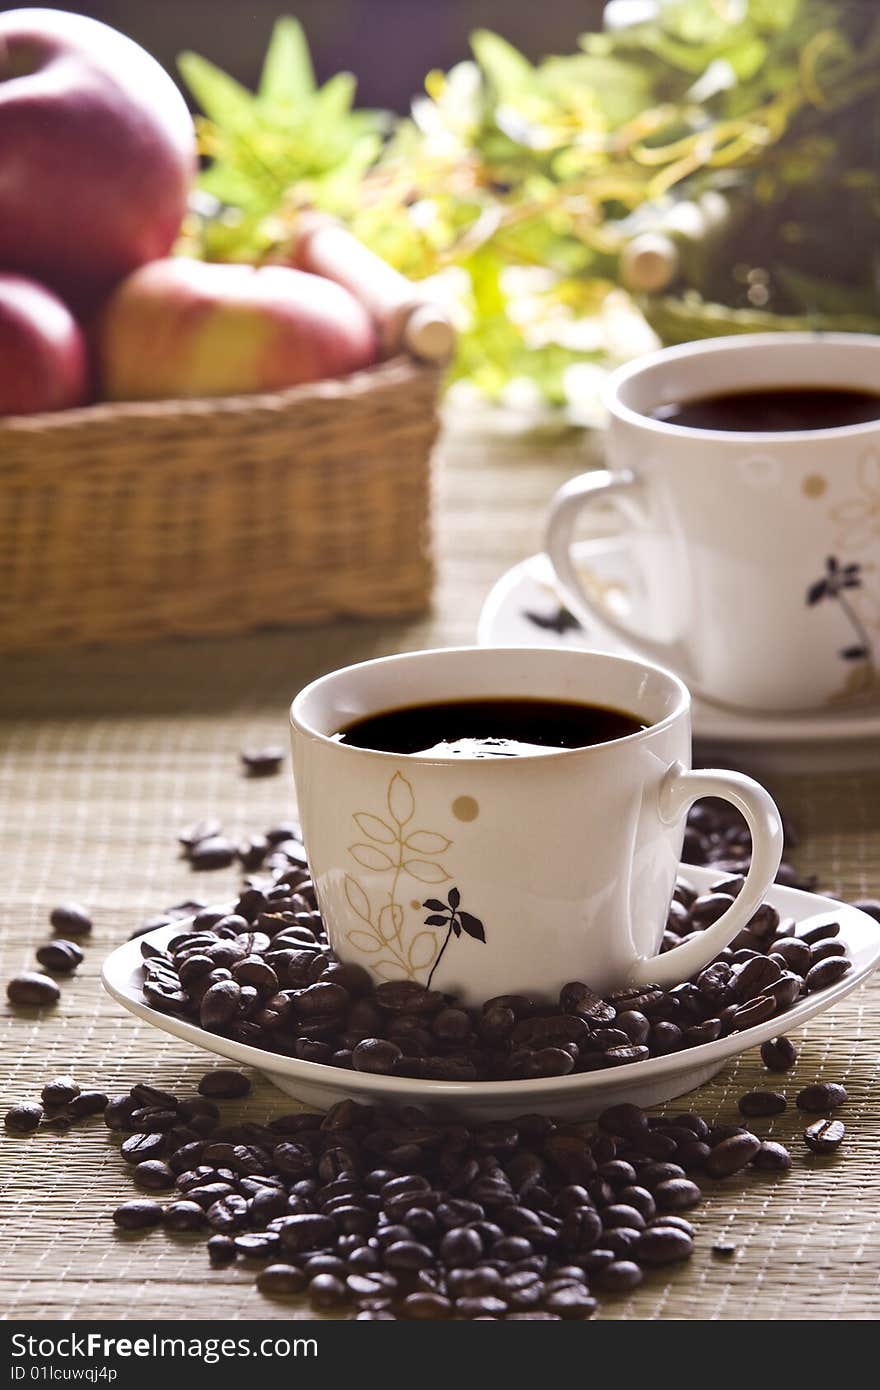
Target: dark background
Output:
{"points": [[388, 44]]}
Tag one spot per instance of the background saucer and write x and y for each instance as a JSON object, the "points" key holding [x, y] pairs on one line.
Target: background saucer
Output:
{"points": [[643, 1083], [524, 609]]}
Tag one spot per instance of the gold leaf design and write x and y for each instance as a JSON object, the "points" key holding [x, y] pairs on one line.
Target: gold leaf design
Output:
{"points": [[423, 950], [390, 921], [425, 871], [369, 857], [364, 941], [401, 802], [357, 899], [374, 828], [427, 842]]}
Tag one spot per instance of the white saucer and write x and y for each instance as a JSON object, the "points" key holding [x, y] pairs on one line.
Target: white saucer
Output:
{"points": [[523, 609], [644, 1083]]}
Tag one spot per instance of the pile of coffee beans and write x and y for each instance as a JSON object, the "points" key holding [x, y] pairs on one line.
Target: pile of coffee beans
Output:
{"points": [[61, 955], [264, 975], [390, 1213]]}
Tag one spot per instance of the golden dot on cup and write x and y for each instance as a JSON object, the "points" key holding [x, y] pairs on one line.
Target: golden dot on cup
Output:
{"points": [[814, 485], [414, 904], [465, 808]]}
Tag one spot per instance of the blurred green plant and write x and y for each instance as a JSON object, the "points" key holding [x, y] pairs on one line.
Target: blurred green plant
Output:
{"points": [[713, 163]]}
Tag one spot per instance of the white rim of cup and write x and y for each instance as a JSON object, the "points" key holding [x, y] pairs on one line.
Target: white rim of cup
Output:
{"points": [[739, 342], [681, 707]]}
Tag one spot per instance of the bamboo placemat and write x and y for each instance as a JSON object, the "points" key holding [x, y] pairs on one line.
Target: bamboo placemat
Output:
{"points": [[106, 754]]}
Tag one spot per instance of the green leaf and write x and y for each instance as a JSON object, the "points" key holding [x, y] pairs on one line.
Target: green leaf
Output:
{"points": [[287, 74], [504, 65], [334, 100], [221, 98]]}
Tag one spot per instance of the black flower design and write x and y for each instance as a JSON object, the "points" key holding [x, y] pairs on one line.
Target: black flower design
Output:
{"points": [[561, 621], [452, 916], [833, 585]]}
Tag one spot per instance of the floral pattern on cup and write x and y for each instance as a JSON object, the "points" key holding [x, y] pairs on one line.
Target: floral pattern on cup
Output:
{"points": [[838, 585], [398, 851], [858, 518]]}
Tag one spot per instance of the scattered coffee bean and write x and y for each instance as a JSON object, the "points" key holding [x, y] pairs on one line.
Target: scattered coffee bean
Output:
{"points": [[32, 990], [214, 853], [185, 1216], [779, 1054], [821, 1097], [87, 1103], [60, 956], [757, 1103], [221, 1249], [824, 1136], [262, 762], [137, 1216], [70, 919], [224, 1084], [59, 1092], [772, 1158], [724, 1249], [732, 1155], [23, 1119], [281, 1280]]}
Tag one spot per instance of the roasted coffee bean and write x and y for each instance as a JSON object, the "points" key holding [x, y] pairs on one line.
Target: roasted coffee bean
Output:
{"points": [[376, 1055], [676, 1194], [281, 1280], [661, 1245], [262, 762], [227, 1214], [137, 1215], [772, 1158], [620, 1276], [183, 1216], [70, 919], [221, 1250], [32, 990], [724, 1249], [60, 956], [827, 972], [732, 1155], [755, 1103], [824, 1136], [23, 1119], [153, 1174], [139, 1147], [87, 1103], [824, 949], [60, 1091], [224, 1084], [756, 1011], [821, 1097], [796, 954], [213, 852], [825, 931]]}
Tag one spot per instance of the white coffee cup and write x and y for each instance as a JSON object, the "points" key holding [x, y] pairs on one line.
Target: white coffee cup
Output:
{"points": [[502, 875], [745, 538]]}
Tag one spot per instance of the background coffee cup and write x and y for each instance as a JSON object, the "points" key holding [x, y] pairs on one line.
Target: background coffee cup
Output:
{"points": [[490, 876], [762, 550]]}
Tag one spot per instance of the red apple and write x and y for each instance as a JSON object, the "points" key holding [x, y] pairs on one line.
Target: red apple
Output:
{"points": [[182, 327], [43, 361], [97, 152]]}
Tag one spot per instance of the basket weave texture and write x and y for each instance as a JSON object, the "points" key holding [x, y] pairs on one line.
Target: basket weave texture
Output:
{"points": [[172, 518]]}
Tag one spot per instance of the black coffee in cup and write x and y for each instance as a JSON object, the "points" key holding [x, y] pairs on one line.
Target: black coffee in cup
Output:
{"points": [[773, 409], [490, 728]]}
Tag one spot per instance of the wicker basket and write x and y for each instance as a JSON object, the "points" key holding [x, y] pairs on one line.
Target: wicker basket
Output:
{"points": [[124, 522]]}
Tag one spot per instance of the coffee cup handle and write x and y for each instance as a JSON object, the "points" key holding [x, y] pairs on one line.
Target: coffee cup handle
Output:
{"points": [[679, 789], [569, 501]]}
